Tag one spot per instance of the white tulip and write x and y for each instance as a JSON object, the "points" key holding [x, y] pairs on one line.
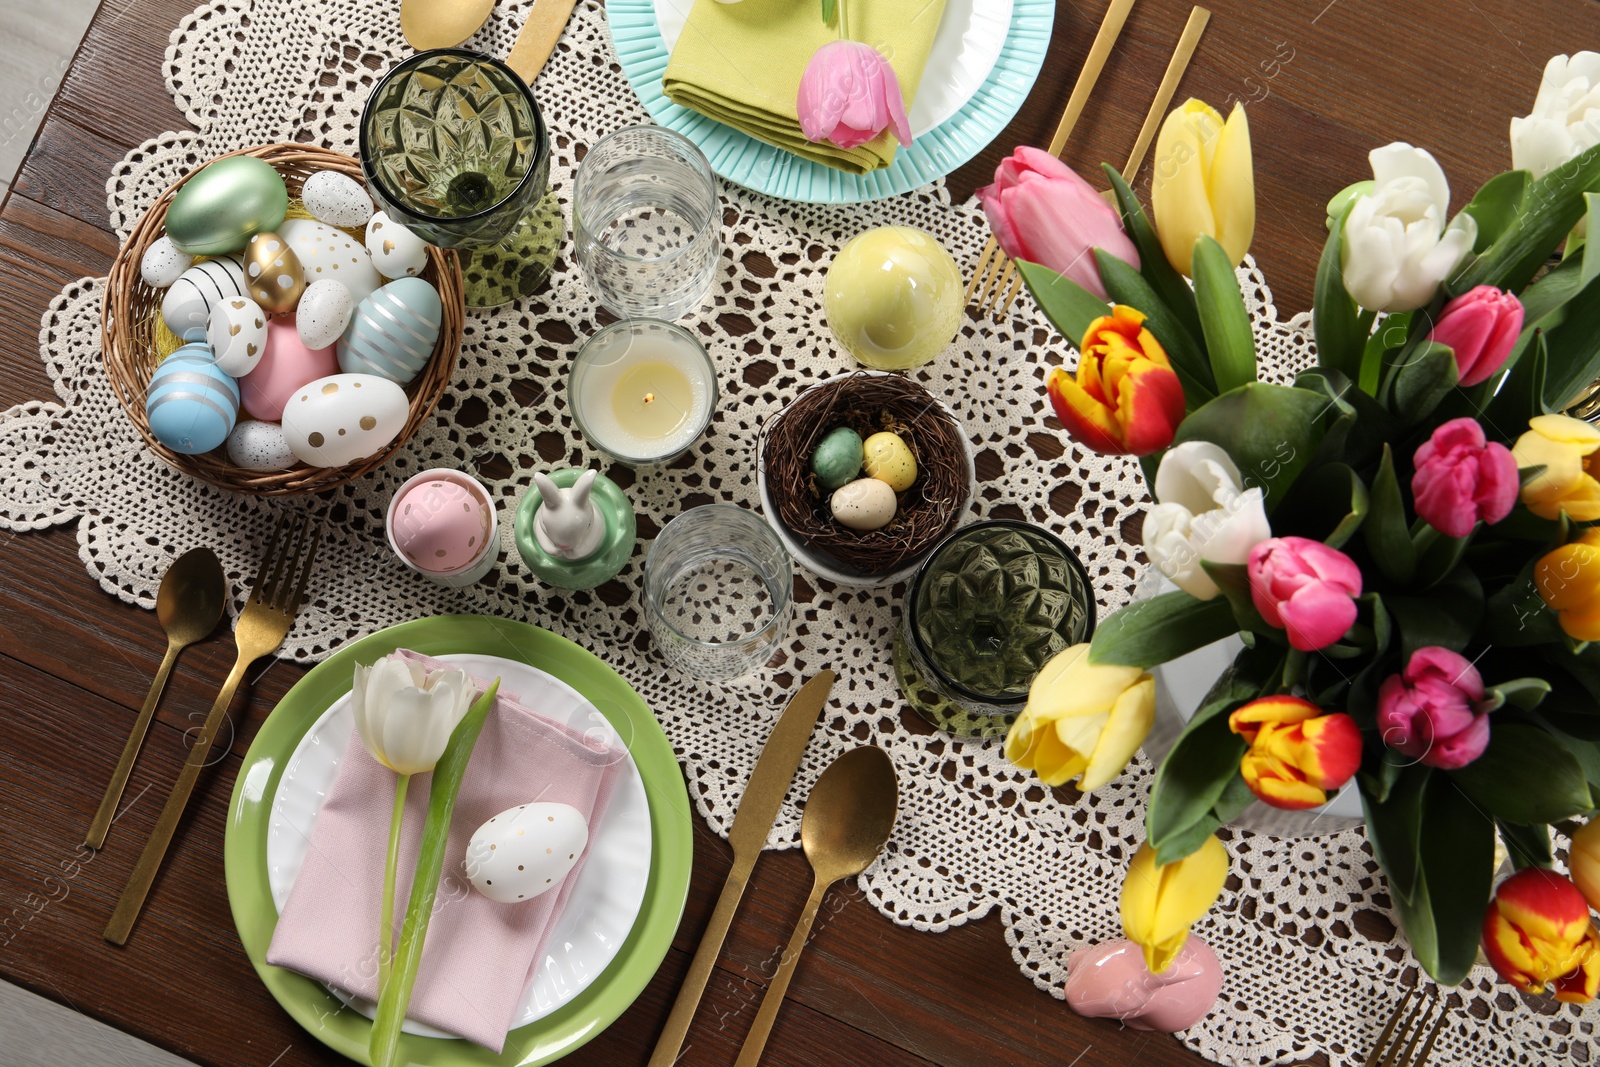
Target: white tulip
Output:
{"points": [[1565, 118], [1397, 248], [1203, 514], [405, 714]]}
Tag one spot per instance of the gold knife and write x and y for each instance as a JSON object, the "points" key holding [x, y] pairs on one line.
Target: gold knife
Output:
{"points": [[538, 37], [758, 808]]}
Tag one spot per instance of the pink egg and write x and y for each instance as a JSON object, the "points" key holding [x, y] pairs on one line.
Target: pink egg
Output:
{"points": [[440, 525], [286, 364]]}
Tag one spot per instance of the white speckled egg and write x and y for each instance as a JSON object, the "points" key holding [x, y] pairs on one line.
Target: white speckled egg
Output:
{"points": [[162, 263], [325, 252], [259, 446], [864, 504], [393, 331], [187, 306], [526, 850], [396, 251], [336, 199], [323, 312], [343, 417], [237, 333]]}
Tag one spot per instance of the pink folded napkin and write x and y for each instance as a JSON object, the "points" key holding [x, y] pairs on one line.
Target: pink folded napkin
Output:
{"points": [[479, 955]]}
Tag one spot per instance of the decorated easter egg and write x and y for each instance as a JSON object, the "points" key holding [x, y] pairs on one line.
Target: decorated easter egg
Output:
{"points": [[323, 313], [285, 365], [162, 263], [888, 458], [440, 524], [396, 251], [218, 209], [272, 272], [325, 252], [893, 297], [526, 850], [864, 504], [191, 404], [336, 199], [186, 308], [344, 417], [393, 331], [259, 446], [838, 458], [237, 334]]}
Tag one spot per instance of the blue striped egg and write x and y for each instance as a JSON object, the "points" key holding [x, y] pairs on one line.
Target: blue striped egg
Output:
{"points": [[191, 403], [393, 331]]}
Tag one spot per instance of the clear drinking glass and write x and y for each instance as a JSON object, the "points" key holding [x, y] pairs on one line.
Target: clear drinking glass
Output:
{"points": [[988, 607], [716, 590], [454, 148], [647, 223]]}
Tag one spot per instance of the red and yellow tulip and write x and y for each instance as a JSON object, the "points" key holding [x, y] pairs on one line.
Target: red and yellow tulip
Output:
{"points": [[1298, 753], [1126, 398], [1160, 902], [1537, 933]]}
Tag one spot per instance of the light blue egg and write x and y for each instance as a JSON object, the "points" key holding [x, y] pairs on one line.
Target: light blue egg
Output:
{"points": [[191, 404], [393, 331]]}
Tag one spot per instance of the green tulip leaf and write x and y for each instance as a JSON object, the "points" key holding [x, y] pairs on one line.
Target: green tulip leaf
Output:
{"points": [[1236, 796], [1447, 615], [1516, 615], [1394, 828], [1148, 632], [1525, 776], [1192, 779], [1520, 393], [1369, 422], [1457, 861], [1388, 340], [1437, 557], [1553, 205], [1545, 297], [1496, 204], [1234, 581], [1230, 342], [1069, 306], [1188, 358], [1528, 846], [1269, 431], [1427, 376], [1167, 283], [1340, 327], [829, 9], [1572, 349], [1386, 531], [1327, 503], [1591, 257], [1524, 693]]}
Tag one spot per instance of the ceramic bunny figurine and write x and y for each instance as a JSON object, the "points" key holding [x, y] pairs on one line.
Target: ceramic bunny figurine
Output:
{"points": [[569, 525]]}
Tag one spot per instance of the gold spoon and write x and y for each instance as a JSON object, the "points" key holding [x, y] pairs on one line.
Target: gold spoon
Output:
{"points": [[441, 23], [188, 606], [847, 821]]}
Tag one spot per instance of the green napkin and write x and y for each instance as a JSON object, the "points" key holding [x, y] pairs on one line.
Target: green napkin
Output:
{"points": [[741, 64]]}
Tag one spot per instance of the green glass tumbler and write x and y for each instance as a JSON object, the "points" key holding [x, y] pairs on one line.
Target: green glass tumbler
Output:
{"points": [[992, 602], [454, 148]]}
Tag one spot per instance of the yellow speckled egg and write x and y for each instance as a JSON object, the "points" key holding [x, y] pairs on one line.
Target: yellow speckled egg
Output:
{"points": [[887, 457], [893, 297]]}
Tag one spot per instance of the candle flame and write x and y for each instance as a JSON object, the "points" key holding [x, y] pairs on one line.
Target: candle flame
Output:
{"points": [[649, 398]]}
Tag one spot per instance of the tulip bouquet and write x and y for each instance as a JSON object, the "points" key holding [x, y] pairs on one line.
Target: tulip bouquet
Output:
{"points": [[1406, 538]]}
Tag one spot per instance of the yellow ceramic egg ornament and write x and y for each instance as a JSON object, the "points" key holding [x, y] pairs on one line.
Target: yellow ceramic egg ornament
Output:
{"points": [[272, 273], [886, 457], [893, 297]]}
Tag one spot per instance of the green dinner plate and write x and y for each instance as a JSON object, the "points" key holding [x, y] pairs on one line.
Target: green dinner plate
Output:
{"points": [[585, 1015]]}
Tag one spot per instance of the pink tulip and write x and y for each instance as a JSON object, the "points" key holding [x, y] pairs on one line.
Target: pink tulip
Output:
{"points": [[1305, 588], [1481, 327], [1041, 210], [1460, 479], [849, 94], [1430, 711]]}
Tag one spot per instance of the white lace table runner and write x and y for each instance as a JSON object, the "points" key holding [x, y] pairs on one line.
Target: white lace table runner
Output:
{"points": [[974, 833]]}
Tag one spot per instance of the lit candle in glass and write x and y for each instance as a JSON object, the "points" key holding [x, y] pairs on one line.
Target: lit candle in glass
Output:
{"points": [[642, 391]]}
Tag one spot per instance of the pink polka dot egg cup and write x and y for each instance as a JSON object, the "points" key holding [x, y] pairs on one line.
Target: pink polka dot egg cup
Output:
{"points": [[443, 524]]}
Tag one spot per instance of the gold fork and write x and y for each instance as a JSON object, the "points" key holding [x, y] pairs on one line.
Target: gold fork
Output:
{"points": [[1395, 1049], [275, 596]]}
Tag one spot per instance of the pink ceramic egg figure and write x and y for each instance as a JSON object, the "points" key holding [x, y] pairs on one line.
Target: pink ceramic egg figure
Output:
{"points": [[442, 524], [1111, 981], [286, 364]]}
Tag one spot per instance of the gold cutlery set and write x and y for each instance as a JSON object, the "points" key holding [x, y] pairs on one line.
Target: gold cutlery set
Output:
{"points": [[189, 604]]}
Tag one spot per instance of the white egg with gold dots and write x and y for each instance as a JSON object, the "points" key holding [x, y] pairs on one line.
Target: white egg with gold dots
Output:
{"points": [[325, 252], [526, 851], [344, 417], [396, 251]]}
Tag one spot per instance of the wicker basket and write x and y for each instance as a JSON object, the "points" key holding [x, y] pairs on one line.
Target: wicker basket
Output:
{"points": [[131, 309]]}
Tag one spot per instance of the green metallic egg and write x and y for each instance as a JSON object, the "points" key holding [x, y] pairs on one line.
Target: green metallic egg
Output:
{"points": [[837, 459], [219, 208]]}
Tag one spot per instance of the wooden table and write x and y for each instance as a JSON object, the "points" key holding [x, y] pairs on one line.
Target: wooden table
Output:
{"points": [[1324, 82]]}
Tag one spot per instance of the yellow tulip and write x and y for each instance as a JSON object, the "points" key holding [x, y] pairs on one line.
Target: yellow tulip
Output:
{"points": [[1160, 903], [1082, 718], [1568, 580], [1204, 183], [1584, 861], [1567, 450]]}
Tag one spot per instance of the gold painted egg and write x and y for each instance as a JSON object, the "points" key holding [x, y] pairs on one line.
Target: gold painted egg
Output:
{"points": [[887, 457], [272, 272]]}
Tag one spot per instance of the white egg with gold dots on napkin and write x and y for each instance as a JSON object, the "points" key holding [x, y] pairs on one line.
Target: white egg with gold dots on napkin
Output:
{"points": [[259, 446], [162, 263], [237, 334], [393, 331], [344, 417], [187, 306], [336, 199], [396, 251], [323, 313], [526, 850], [325, 252]]}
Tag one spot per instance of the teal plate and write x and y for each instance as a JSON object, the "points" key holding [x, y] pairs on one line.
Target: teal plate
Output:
{"points": [[608, 996], [757, 165]]}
